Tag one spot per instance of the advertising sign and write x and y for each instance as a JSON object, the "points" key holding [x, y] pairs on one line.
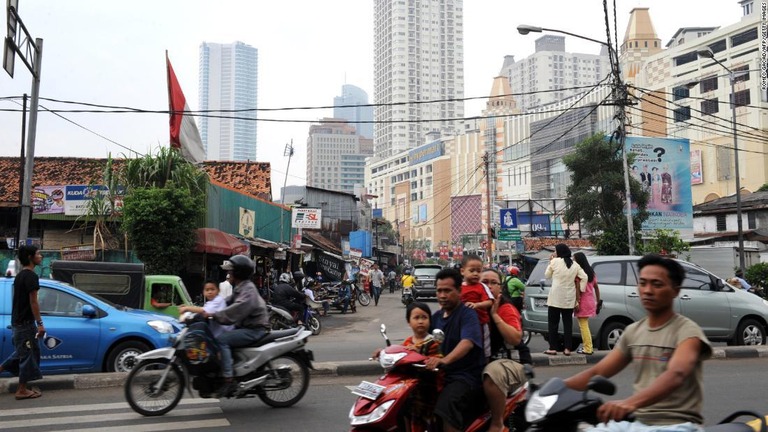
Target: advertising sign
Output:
{"points": [[247, 223], [48, 200], [697, 176], [426, 152], [77, 197], [663, 168], [422, 212], [331, 266], [306, 218]]}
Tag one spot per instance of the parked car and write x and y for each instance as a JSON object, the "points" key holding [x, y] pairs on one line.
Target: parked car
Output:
{"points": [[85, 333], [425, 280], [725, 313]]}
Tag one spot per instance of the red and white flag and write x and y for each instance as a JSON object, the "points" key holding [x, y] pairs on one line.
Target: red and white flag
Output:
{"points": [[184, 133]]}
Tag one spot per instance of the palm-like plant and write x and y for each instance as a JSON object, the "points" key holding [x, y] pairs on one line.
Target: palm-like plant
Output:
{"points": [[162, 169]]}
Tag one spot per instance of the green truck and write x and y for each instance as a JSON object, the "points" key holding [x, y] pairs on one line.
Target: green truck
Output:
{"points": [[124, 284]]}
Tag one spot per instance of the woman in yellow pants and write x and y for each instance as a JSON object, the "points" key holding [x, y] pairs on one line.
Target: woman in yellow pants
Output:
{"points": [[586, 303]]}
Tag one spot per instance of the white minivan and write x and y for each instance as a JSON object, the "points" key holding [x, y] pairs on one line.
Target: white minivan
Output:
{"points": [[725, 313]]}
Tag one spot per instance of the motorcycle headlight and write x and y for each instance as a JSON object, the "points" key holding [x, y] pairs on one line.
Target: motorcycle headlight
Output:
{"points": [[374, 415], [538, 406], [161, 326], [387, 361]]}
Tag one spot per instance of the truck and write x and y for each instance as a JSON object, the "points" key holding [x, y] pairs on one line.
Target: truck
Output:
{"points": [[124, 284], [721, 260]]}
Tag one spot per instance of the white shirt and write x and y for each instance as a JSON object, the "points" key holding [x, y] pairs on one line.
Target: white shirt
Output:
{"points": [[225, 289], [377, 278], [309, 293], [562, 293]]}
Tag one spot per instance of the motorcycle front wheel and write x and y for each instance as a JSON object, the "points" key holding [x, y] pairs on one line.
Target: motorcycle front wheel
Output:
{"points": [[364, 298], [143, 391], [314, 325], [287, 382]]}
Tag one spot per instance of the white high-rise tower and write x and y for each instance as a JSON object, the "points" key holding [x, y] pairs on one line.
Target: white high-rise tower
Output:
{"points": [[418, 56], [228, 81]]}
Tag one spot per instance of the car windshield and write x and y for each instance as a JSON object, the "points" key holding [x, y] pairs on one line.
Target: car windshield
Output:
{"points": [[537, 275], [426, 272]]}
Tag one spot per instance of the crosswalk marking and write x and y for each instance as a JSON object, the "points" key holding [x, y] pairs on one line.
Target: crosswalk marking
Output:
{"points": [[92, 407], [197, 424], [106, 417]]}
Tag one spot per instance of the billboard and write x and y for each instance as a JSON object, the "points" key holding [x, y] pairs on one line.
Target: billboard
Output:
{"points": [[697, 175], [306, 218], [663, 168], [48, 200], [426, 152], [77, 197]]}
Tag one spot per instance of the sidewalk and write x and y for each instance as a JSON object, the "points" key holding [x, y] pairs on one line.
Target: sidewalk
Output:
{"points": [[355, 368]]}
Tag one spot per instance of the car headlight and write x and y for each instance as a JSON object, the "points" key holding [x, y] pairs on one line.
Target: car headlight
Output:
{"points": [[161, 326], [538, 406], [387, 361], [374, 415]]}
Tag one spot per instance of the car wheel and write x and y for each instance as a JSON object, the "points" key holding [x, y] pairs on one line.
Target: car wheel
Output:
{"points": [[750, 332], [610, 334], [122, 358], [526, 337]]}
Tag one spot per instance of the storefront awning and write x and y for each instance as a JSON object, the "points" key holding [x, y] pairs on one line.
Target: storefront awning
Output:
{"points": [[213, 241]]}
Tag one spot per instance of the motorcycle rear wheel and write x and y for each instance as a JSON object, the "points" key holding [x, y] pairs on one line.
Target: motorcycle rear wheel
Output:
{"points": [[141, 387], [288, 382], [277, 322], [364, 298], [314, 325]]}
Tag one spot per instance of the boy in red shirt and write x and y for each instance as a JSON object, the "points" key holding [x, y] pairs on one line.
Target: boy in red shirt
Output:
{"points": [[476, 295]]}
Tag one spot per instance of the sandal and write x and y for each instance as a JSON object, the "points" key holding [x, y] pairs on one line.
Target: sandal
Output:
{"points": [[567, 352], [31, 395], [581, 351], [550, 352]]}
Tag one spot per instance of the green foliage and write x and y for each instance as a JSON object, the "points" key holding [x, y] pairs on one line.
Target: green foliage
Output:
{"points": [[597, 197], [763, 188], [101, 213], [665, 242], [161, 224], [757, 274], [167, 168]]}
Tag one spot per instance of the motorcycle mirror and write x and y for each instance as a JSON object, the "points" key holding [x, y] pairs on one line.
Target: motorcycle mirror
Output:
{"points": [[601, 385], [384, 334], [439, 335]]}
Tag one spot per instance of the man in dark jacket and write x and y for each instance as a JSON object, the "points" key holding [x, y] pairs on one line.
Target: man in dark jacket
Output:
{"points": [[287, 297], [246, 310]]}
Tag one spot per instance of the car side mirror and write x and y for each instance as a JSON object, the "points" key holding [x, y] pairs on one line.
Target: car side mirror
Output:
{"points": [[89, 311], [719, 284]]}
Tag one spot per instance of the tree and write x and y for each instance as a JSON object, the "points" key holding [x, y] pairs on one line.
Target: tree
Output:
{"points": [[597, 197], [763, 188], [665, 242], [161, 223], [160, 170], [102, 213]]}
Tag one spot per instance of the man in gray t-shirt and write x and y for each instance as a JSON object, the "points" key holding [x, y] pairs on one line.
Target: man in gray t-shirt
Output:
{"points": [[667, 348]]}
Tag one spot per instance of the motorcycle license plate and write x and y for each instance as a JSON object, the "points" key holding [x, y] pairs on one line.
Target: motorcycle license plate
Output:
{"points": [[540, 303], [368, 390]]}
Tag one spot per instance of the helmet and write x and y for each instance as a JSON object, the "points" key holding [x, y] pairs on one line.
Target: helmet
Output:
{"points": [[309, 281], [514, 271], [241, 266], [407, 271], [298, 275], [285, 278]]}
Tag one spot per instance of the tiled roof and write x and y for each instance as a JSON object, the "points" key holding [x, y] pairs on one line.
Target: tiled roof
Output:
{"points": [[252, 178], [749, 201]]}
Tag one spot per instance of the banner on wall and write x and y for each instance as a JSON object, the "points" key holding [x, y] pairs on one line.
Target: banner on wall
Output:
{"points": [[663, 168], [247, 224], [48, 200], [697, 176]]}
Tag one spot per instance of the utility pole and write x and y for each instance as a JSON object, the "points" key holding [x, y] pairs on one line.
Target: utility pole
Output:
{"points": [[489, 238], [287, 152], [19, 41]]}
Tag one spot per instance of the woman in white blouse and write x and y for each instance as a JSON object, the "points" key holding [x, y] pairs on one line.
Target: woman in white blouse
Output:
{"points": [[562, 296]]}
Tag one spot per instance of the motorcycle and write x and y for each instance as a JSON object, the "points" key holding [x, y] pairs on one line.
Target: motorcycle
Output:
{"points": [[555, 407], [280, 318], [406, 297], [378, 404], [276, 369]]}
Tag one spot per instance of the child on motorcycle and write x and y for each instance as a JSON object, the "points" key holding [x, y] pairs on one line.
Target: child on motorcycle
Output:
{"points": [[213, 303]]}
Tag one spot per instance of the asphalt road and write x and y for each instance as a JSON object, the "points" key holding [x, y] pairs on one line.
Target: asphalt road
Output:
{"points": [[729, 386]]}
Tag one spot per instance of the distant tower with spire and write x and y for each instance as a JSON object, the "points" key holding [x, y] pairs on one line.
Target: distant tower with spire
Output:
{"points": [[640, 41]]}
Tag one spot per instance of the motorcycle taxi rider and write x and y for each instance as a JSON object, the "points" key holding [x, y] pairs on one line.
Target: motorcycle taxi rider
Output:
{"points": [[289, 298], [246, 310]]}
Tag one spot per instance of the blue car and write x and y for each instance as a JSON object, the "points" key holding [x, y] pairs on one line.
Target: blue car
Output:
{"points": [[85, 333]]}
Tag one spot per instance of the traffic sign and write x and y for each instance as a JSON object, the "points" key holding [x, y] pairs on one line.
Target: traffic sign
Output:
{"points": [[510, 235], [508, 218]]}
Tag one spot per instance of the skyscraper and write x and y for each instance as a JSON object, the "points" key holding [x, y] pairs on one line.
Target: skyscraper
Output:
{"points": [[418, 56], [228, 81], [336, 156], [343, 109]]}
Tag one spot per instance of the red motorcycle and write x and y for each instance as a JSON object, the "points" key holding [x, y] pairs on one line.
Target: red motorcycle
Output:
{"points": [[378, 405]]}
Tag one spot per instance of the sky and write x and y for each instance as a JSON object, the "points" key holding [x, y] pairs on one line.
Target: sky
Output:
{"points": [[113, 52]]}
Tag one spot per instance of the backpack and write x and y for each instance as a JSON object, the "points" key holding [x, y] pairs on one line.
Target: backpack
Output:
{"points": [[510, 289], [201, 348]]}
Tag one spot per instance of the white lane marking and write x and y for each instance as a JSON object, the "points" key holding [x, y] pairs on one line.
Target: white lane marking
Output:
{"points": [[106, 417], [196, 424], [91, 407]]}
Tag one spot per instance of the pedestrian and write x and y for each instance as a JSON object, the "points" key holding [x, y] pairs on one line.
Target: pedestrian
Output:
{"points": [[377, 280], [27, 324], [392, 276], [225, 288], [586, 303], [562, 296]]}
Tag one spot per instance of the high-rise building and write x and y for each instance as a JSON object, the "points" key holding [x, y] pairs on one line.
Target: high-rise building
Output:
{"points": [[228, 81], [551, 74], [336, 156], [418, 58], [349, 106]]}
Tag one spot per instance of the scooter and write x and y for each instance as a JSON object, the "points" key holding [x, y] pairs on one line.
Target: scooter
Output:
{"points": [[378, 405], [280, 318], [407, 296], [276, 369], [555, 407]]}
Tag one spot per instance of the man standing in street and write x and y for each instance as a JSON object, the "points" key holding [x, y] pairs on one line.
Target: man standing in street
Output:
{"points": [[377, 281], [28, 327], [392, 276]]}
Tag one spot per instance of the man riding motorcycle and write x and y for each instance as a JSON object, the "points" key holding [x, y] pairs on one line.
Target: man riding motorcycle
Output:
{"points": [[246, 310], [287, 297]]}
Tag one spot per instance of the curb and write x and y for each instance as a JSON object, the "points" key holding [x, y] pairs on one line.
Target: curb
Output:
{"points": [[354, 368]]}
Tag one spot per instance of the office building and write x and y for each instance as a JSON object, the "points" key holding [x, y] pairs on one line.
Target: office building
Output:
{"points": [[336, 156], [228, 81], [418, 58], [351, 106]]}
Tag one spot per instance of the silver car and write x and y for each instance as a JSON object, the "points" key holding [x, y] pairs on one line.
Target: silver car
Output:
{"points": [[725, 313]]}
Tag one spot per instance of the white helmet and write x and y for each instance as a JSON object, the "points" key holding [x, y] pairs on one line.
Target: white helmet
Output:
{"points": [[285, 278]]}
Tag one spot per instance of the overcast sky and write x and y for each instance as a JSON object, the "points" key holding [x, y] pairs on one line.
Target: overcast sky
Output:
{"points": [[113, 52]]}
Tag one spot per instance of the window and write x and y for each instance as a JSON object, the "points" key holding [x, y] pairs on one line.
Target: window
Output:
{"points": [[718, 46], [682, 114], [741, 98], [720, 222], [744, 37], [751, 220], [708, 84], [740, 74], [696, 279], [681, 92], [709, 106], [685, 58], [414, 196], [609, 273], [58, 303]]}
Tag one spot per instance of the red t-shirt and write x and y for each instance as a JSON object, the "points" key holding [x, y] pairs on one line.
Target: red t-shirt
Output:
{"points": [[475, 294], [510, 315]]}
